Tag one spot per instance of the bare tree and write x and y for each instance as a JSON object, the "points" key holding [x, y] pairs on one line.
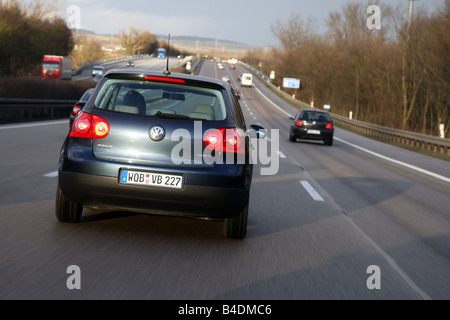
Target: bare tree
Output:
{"points": [[43, 10], [137, 41], [25, 36]]}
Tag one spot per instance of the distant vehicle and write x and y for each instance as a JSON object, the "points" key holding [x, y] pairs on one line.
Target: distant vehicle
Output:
{"points": [[220, 66], [98, 71], [232, 66], [226, 79], [237, 93], [119, 153], [80, 105], [247, 80], [161, 53], [130, 64], [98, 77], [312, 124], [57, 67]]}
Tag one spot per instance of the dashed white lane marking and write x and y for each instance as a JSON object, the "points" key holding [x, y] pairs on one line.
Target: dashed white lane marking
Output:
{"points": [[51, 174], [312, 192], [281, 154]]}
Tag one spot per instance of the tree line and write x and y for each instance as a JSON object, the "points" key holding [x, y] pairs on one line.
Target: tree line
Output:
{"points": [[27, 33], [396, 76]]}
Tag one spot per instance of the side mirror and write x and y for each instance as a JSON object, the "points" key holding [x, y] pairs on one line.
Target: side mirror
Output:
{"points": [[291, 118], [257, 132]]}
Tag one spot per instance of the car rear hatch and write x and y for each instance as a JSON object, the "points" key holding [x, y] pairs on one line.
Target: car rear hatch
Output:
{"points": [[158, 123], [153, 141], [310, 124]]}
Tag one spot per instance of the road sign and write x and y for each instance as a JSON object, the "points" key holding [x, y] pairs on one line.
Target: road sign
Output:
{"points": [[291, 83]]}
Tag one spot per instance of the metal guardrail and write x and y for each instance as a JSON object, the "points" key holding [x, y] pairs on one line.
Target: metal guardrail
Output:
{"points": [[24, 110], [109, 61], [408, 138], [21, 110]]}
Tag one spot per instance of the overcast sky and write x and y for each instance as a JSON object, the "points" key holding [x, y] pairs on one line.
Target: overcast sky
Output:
{"points": [[244, 21]]}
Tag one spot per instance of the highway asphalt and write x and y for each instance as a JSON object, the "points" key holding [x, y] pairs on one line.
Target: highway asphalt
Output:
{"points": [[358, 220]]}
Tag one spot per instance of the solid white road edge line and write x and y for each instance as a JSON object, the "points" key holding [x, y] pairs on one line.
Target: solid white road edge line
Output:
{"points": [[386, 256], [34, 124], [432, 174], [263, 95]]}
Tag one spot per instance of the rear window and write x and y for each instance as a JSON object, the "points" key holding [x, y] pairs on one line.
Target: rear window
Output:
{"points": [[314, 116], [149, 98]]}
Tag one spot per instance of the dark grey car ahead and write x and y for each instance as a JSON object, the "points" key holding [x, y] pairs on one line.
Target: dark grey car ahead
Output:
{"points": [[312, 124], [147, 142]]}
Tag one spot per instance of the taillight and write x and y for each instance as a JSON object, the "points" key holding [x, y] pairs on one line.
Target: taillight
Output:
{"points": [[101, 128], [299, 123], [225, 140], [164, 79], [329, 126], [76, 109], [89, 126]]}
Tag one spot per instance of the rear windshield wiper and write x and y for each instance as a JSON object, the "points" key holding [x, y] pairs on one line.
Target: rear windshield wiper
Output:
{"points": [[161, 115], [172, 116]]}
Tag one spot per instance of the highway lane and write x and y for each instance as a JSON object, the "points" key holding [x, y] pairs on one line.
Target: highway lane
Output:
{"points": [[299, 246], [148, 62], [404, 194]]}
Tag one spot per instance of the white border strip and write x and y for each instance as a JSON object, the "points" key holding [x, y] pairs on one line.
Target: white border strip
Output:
{"points": [[390, 261], [286, 113], [432, 174], [34, 124]]}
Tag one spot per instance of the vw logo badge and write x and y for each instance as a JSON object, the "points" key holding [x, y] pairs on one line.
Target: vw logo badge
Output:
{"points": [[157, 133]]}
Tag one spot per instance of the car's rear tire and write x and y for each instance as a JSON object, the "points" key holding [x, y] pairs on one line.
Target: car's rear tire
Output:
{"points": [[329, 142], [292, 138], [236, 227], [66, 210]]}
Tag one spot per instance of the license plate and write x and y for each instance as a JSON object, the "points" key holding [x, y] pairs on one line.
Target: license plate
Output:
{"points": [[314, 131], [151, 179]]}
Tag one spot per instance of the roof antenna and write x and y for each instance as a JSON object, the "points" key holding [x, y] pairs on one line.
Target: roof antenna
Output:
{"points": [[167, 72]]}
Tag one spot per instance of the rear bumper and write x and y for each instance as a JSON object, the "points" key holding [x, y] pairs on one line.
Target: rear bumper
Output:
{"points": [[194, 201], [302, 133], [220, 192]]}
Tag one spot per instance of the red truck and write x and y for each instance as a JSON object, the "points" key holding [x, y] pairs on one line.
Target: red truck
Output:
{"points": [[57, 67]]}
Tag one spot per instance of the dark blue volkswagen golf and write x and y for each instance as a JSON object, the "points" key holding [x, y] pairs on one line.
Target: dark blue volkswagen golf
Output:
{"points": [[164, 144]]}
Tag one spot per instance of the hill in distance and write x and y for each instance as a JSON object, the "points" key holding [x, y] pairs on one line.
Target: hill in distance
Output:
{"points": [[188, 43]]}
